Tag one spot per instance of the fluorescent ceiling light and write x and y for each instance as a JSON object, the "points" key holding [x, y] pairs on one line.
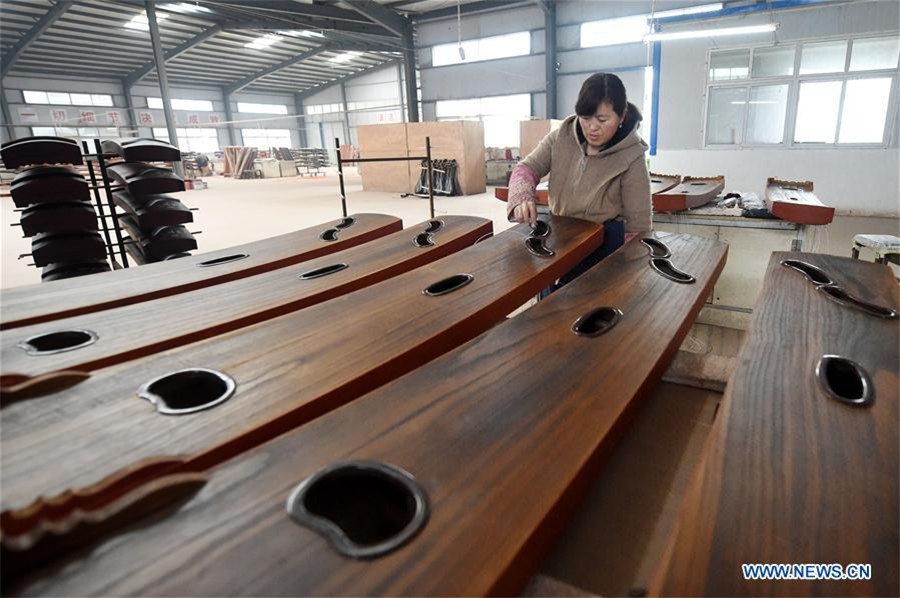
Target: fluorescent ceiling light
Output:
{"points": [[301, 33], [263, 42], [345, 57], [310, 34], [691, 10], [694, 33], [140, 22], [741, 103], [185, 8]]}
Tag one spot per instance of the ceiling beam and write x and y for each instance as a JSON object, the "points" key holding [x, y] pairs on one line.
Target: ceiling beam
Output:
{"points": [[42, 25], [249, 79], [471, 8], [342, 41], [138, 74], [314, 90], [390, 20]]}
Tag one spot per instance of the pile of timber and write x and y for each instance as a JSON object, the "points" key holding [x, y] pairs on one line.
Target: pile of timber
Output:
{"points": [[238, 161]]}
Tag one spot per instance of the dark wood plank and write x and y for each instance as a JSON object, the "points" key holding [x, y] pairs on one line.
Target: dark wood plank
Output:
{"points": [[288, 370], [23, 306], [791, 475], [693, 192], [140, 329], [502, 433]]}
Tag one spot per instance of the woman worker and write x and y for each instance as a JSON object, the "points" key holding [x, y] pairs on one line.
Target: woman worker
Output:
{"points": [[597, 170]]}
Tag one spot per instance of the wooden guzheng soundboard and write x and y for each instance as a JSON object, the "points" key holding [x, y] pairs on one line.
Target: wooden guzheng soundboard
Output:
{"points": [[692, 192], [27, 305], [230, 305], [663, 182], [263, 380], [801, 466], [451, 479], [795, 201]]}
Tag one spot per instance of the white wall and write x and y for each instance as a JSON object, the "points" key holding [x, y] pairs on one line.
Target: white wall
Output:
{"points": [[858, 181]]}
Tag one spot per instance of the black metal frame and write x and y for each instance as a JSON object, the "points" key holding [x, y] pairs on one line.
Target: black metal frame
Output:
{"points": [[341, 161], [98, 158]]}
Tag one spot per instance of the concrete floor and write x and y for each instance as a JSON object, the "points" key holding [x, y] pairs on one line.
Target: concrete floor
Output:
{"points": [[232, 212]]}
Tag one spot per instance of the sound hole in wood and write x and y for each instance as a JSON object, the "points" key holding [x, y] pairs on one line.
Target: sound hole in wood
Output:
{"points": [[657, 181], [665, 268], [423, 240], [657, 248], [188, 391], [434, 226], [697, 184], [330, 234], [536, 247], [345, 222], [58, 342], [323, 271], [813, 273], [365, 509], [597, 321], [448, 285], [845, 380], [540, 229], [839, 295], [223, 260]]}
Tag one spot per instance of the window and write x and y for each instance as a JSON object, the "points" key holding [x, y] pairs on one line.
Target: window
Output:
{"points": [[266, 138], [725, 66], [500, 115], [609, 32], [67, 99], [79, 133], [194, 139], [832, 92], [323, 108], [198, 105], [262, 108], [485, 48]]}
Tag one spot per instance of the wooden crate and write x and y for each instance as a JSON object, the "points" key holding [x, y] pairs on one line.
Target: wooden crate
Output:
{"points": [[459, 140], [384, 141]]}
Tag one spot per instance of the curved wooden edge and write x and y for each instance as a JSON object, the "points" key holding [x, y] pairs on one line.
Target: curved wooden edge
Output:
{"points": [[241, 270], [666, 182], [716, 179], [679, 198], [18, 387], [49, 540], [543, 196], [23, 527], [805, 185]]}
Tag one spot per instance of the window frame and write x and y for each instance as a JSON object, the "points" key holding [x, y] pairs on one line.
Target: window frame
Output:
{"points": [[523, 32], [794, 81]]}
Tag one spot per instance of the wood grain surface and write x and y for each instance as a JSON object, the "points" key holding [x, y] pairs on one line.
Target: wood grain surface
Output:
{"points": [[663, 182], [288, 370], [503, 434], [795, 201], [791, 475], [140, 329], [44, 302], [693, 192]]}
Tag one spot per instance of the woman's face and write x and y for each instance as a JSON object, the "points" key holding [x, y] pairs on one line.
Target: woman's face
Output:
{"points": [[600, 128]]}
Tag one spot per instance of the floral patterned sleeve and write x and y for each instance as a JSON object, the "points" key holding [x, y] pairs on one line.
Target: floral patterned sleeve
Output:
{"points": [[522, 184]]}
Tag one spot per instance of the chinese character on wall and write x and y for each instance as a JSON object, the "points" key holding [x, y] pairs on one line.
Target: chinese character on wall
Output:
{"points": [[214, 119], [114, 117], [58, 115], [88, 117], [193, 119], [145, 118]]}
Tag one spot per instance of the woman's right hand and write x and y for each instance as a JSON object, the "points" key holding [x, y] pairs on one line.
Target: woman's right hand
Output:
{"points": [[525, 211]]}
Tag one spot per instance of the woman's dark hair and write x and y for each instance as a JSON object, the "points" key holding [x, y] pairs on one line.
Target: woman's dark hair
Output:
{"points": [[604, 87]]}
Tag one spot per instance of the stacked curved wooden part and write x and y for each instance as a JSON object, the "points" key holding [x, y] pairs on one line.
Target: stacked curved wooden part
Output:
{"points": [[154, 222], [691, 192], [56, 209], [801, 466], [240, 475], [795, 201]]}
